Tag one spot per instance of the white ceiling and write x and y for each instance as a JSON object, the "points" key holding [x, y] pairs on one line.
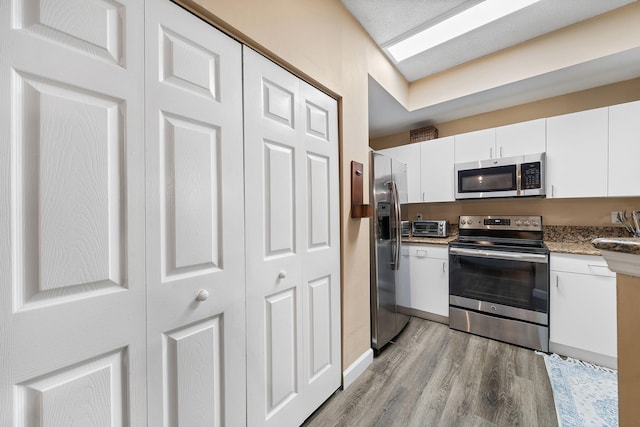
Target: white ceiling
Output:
{"points": [[390, 20]]}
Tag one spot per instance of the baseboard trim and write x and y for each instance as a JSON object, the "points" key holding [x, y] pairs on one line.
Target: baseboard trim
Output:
{"points": [[584, 355], [350, 374]]}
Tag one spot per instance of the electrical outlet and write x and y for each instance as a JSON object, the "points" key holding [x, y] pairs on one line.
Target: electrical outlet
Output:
{"points": [[614, 217], [419, 217]]}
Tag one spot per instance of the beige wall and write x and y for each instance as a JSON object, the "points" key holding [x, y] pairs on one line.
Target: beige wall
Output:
{"points": [[582, 212], [616, 93], [321, 42], [598, 37]]}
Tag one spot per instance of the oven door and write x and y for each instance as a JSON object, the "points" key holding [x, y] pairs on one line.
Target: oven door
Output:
{"points": [[501, 282]]}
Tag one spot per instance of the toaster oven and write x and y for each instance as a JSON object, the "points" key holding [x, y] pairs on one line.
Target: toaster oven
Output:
{"points": [[430, 228]]}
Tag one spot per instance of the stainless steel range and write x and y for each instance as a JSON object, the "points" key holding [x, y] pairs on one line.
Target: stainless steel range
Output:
{"points": [[499, 280]]}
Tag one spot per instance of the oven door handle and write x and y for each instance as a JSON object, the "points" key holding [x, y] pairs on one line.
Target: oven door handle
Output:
{"points": [[511, 256]]}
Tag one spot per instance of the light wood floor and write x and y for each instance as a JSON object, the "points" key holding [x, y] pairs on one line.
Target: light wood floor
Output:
{"points": [[434, 376]]}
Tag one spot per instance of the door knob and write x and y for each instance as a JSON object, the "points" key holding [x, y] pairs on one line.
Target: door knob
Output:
{"points": [[282, 274], [202, 295]]}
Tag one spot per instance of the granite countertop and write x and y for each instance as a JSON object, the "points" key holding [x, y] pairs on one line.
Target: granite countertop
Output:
{"points": [[576, 240], [582, 248], [577, 248], [629, 245], [430, 240]]}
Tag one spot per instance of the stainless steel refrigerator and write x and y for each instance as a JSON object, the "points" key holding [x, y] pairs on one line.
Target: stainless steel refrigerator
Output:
{"points": [[388, 194]]}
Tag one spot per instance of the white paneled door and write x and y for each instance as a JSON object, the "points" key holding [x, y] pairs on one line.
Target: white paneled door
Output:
{"points": [[72, 338], [195, 227], [292, 245], [127, 298]]}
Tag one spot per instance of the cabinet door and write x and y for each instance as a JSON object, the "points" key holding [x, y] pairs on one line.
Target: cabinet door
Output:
{"points": [[429, 281], [195, 226], [577, 154], [583, 312], [521, 138], [436, 164], [473, 146], [624, 149], [409, 155]]}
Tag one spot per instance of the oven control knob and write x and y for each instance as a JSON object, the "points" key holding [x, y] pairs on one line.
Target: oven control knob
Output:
{"points": [[463, 222], [527, 222], [518, 222], [536, 223]]}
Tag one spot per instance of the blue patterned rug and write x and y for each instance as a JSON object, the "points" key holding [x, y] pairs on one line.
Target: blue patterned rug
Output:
{"points": [[584, 394]]}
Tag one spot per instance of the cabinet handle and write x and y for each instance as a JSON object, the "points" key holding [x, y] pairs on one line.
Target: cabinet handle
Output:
{"points": [[491, 152], [556, 281], [500, 151], [423, 196], [553, 191], [282, 275], [443, 270]]}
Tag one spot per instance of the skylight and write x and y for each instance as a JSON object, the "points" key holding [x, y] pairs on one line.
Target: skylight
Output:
{"points": [[464, 22]]}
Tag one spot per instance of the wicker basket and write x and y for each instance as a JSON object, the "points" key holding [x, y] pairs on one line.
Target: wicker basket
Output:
{"points": [[423, 134]]}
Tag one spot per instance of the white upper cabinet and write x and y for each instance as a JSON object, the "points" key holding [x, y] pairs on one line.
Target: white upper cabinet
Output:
{"points": [[577, 154], [504, 141], [408, 154], [478, 145], [436, 160], [521, 138], [624, 149]]}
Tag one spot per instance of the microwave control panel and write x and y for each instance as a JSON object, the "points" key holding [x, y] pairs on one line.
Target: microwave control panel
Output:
{"points": [[530, 175]]}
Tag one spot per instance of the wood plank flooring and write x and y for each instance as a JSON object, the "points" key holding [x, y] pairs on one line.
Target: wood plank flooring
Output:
{"points": [[435, 376]]}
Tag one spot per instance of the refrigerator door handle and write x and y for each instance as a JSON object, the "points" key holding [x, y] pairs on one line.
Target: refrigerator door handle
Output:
{"points": [[397, 225]]}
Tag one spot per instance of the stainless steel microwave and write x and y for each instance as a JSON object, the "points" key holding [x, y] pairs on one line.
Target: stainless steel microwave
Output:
{"points": [[504, 177]]}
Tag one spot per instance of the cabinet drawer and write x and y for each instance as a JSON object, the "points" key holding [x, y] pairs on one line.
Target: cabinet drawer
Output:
{"points": [[429, 251], [581, 264]]}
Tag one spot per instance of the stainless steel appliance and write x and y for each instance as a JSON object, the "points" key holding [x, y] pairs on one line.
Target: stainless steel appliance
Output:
{"points": [[499, 280], [430, 228], [406, 228], [388, 193], [504, 177]]}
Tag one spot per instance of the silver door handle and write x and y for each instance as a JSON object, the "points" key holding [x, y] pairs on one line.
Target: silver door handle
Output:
{"points": [[510, 256], [398, 225]]}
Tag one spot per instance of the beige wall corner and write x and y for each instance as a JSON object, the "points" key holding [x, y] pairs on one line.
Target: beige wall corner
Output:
{"points": [[321, 42], [394, 140]]}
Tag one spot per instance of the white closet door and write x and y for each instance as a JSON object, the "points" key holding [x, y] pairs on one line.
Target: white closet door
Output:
{"points": [[195, 227], [72, 214], [321, 249], [292, 244]]}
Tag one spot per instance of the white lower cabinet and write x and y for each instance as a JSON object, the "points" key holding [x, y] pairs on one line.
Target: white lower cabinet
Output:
{"points": [[583, 309], [427, 292]]}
